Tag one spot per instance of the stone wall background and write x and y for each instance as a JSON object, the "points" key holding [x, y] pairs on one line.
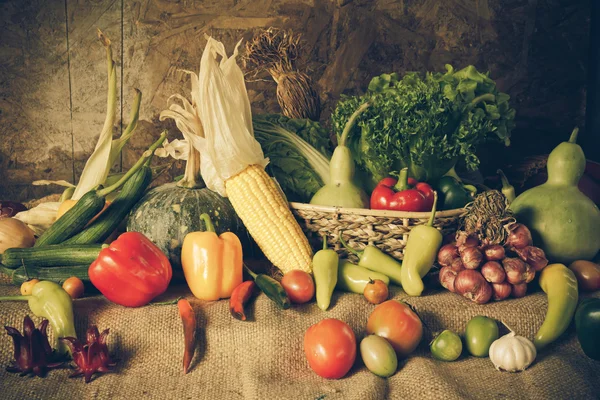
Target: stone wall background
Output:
{"points": [[53, 70]]}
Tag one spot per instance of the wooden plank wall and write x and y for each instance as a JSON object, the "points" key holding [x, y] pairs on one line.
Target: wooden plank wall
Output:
{"points": [[53, 69]]}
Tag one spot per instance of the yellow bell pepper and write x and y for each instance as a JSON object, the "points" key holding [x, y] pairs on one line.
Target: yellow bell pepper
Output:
{"points": [[212, 264]]}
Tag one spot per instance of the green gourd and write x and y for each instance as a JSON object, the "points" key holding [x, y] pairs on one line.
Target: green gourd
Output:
{"points": [[563, 221], [341, 191]]}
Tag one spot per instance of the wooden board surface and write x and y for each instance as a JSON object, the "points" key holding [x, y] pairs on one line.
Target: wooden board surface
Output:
{"points": [[53, 71]]}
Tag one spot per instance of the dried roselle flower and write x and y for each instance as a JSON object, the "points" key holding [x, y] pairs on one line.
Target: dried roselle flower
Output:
{"points": [[32, 349], [91, 357]]}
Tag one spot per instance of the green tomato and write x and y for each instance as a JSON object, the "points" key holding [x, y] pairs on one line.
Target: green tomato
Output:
{"points": [[447, 346], [378, 355], [480, 333]]}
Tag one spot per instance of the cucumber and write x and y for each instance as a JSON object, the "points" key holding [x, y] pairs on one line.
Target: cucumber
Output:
{"points": [[99, 230], [73, 221], [54, 274], [50, 256]]}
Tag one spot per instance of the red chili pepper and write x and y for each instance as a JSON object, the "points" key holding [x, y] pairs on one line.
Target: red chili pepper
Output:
{"points": [[399, 194], [239, 297], [188, 317], [131, 271]]}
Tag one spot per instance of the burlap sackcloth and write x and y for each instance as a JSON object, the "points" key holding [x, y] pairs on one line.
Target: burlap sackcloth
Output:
{"points": [[263, 358]]}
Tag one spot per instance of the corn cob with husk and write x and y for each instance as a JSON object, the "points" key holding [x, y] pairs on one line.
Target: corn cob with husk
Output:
{"points": [[232, 162]]}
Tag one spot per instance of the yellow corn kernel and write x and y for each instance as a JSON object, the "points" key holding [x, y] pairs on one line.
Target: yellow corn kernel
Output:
{"points": [[267, 216]]}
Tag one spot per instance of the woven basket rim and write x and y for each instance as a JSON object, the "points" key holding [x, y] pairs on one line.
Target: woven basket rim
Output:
{"points": [[376, 213]]}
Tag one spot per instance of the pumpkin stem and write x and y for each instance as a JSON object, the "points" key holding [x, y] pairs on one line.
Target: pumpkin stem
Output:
{"points": [[192, 178], [207, 222]]}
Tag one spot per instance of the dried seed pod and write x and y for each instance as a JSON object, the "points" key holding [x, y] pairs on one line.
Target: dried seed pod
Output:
{"points": [[278, 51]]}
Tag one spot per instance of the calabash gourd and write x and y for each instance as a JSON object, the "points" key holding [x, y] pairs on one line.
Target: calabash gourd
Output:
{"points": [[563, 221], [169, 212], [342, 191]]}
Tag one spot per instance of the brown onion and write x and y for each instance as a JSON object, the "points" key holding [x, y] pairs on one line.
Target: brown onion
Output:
{"points": [[472, 285], [519, 236], [447, 254], [501, 291], [516, 271], [533, 256], [471, 257], [457, 265], [519, 290], [493, 272], [447, 277], [494, 252]]}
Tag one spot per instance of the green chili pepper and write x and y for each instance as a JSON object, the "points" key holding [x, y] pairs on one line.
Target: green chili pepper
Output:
{"points": [[376, 260], [271, 288], [560, 284], [325, 271], [354, 278], [453, 194], [420, 252], [587, 323], [49, 300], [508, 190]]}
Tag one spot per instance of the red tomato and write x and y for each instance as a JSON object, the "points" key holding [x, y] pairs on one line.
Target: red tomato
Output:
{"points": [[397, 323], [299, 286], [330, 348]]}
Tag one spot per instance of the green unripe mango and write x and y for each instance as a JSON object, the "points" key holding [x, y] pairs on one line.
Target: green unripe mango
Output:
{"points": [[563, 221]]}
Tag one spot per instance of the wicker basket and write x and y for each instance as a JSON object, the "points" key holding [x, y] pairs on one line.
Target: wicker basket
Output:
{"points": [[388, 230]]}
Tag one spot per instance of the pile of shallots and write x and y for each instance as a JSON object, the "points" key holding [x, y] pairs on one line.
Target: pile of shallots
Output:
{"points": [[495, 271]]}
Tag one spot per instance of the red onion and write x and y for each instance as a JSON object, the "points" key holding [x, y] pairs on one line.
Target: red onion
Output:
{"points": [[447, 254], [501, 291], [519, 290], [533, 256], [457, 265], [494, 252], [516, 271], [529, 273], [493, 272], [447, 277], [471, 257], [10, 208], [519, 236], [472, 285], [464, 241]]}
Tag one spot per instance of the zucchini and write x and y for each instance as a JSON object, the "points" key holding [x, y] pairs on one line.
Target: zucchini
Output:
{"points": [[50, 256], [99, 230], [73, 220], [54, 274], [90, 204]]}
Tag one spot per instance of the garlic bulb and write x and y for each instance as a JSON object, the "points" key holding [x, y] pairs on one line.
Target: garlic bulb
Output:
{"points": [[512, 353], [14, 233]]}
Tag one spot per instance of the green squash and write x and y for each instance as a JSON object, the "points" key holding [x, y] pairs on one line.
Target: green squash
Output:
{"points": [[563, 221], [169, 212]]}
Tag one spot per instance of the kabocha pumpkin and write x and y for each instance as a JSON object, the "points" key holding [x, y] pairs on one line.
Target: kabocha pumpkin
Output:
{"points": [[169, 212]]}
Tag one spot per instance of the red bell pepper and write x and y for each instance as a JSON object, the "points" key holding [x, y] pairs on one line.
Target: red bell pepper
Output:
{"points": [[402, 194], [131, 271]]}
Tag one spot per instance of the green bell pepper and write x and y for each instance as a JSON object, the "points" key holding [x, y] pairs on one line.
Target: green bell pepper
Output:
{"points": [[587, 325], [49, 300], [452, 193]]}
